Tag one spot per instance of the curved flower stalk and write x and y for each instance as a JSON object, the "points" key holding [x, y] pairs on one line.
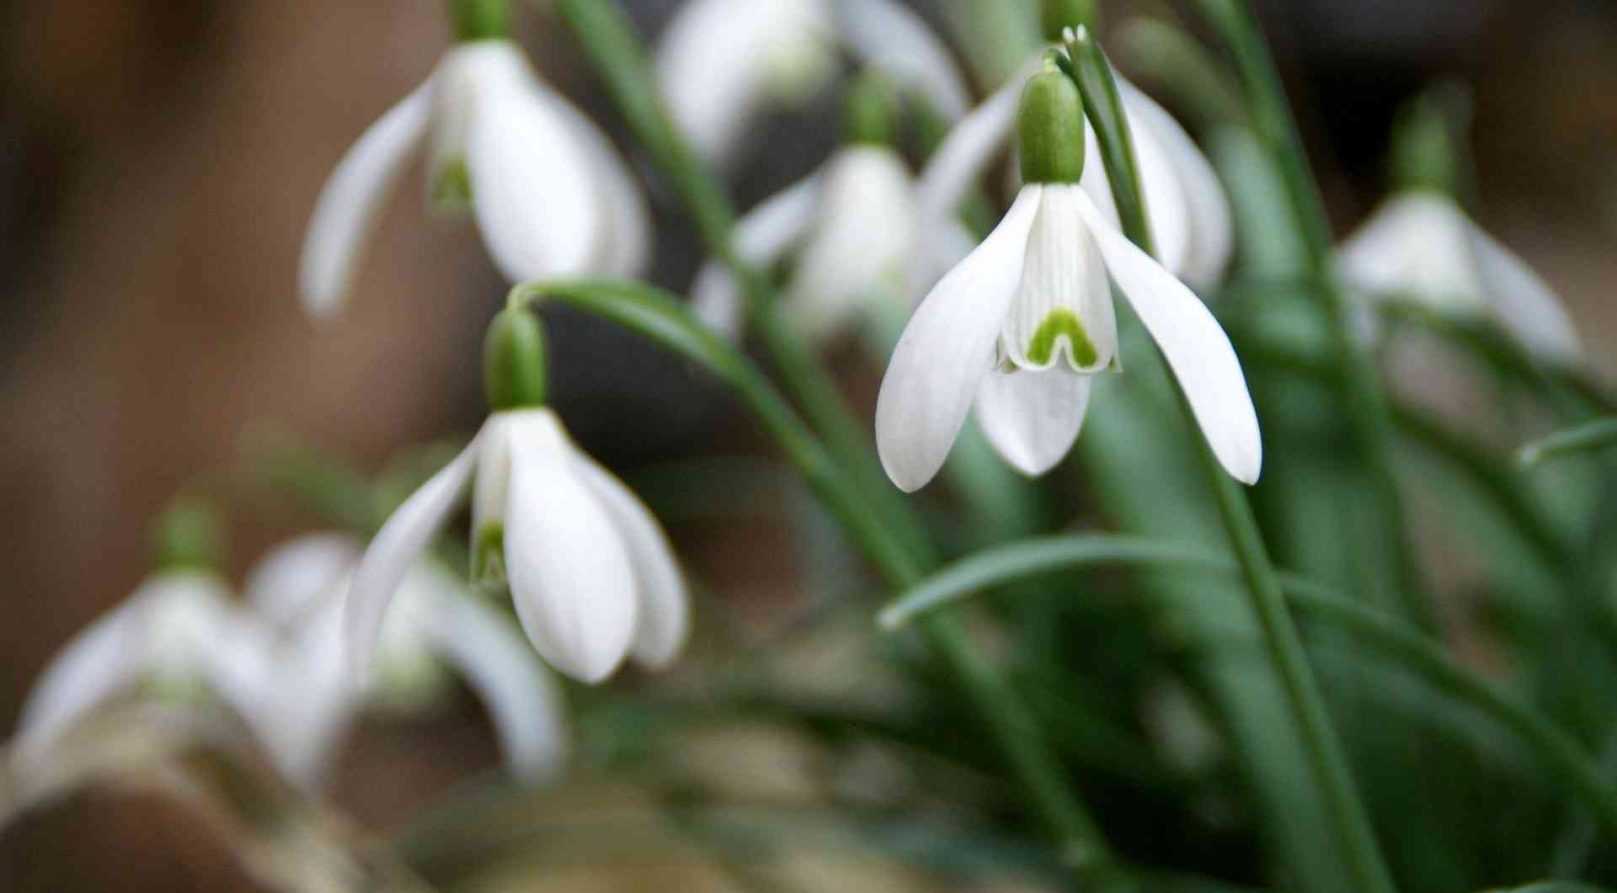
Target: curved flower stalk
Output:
{"points": [[1190, 214], [1420, 245], [178, 635], [590, 571], [1020, 327], [548, 191], [306, 699], [721, 61], [854, 229]]}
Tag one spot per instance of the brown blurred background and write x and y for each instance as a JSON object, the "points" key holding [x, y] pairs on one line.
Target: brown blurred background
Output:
{"points": [[159, 160]]}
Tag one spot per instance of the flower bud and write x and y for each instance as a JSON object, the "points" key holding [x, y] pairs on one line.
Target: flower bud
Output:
{"points": [[870, 111], [1050, 127], [514, 360], [1058, 15], [186, 537], [480, 19]]}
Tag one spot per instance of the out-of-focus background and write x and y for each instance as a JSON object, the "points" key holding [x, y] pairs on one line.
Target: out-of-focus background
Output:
{"points": [[158, 163]]}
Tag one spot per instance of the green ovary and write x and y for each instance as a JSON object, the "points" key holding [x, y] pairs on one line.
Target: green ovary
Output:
{"points": [[1062, 323]]}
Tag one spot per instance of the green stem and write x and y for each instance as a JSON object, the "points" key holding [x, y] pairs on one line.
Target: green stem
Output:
{"points": [[1364, 403], [1595, 435], [663, 319], [622, 62], [1093, 73]]}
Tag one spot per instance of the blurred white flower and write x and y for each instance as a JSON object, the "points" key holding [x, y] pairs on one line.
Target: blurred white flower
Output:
{"points": [[178, 634], [720, 61], [305, 699], [549, 192], [590, 571], [1421, 246], [1189, 213], [854, 228], [1020, 327]]}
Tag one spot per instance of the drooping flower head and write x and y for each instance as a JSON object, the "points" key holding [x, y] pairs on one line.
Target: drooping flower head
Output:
{"points": [[851, 230], [549, 193], [721, 61], [589, 569], [1021, 327], [1421, 246]]}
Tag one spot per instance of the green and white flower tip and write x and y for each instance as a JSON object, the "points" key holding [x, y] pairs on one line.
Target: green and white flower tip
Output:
{"points": [[1190, 214], [1020, 328], [590, 571], [549, 192], [720, 62], [1420, 245], [852, 229]]}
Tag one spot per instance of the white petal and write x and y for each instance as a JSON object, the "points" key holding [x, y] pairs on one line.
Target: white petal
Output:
{"points": [[937, 254], [304, 703], [396, 547], [1032, 418], [1062, 272], [861, 245], [664, 613], [492, 483], [625, 245], [294, 577], [350, 200], [719, 59], [1416, 245], [1210, 225], [946, 349], [570, 575], [888, 37], [1524, 304], [100, 660], [761, 238], [522, 699], [1195, 346], [1165, 201], [534, 189], [960, 159]]}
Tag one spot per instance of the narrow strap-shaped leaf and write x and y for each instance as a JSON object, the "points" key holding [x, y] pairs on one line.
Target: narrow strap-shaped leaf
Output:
{"points": [[1562, 757], [1587, 437]]}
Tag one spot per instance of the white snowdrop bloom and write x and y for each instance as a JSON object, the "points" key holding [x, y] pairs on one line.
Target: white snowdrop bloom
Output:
{"points": [[178, 634], [1021, 326], [590, 571], [549, 193], [720, 61], [1421, 246], [854, 229], [1190, 215], [306, 700]]}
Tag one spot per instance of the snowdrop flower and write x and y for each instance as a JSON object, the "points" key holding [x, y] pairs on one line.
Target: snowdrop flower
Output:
{"points": [[854, 230], [549, 193], [1420, 245], [589, 569], [178, 634], [720, 61], [306, 701], [1189, 212], [1021, 326]]}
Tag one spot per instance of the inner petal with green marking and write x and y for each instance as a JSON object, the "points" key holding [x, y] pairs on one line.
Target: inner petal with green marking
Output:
{"points": [[1062, 326]]}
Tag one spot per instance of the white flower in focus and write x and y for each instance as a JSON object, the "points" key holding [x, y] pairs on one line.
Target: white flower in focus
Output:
{"points": [[721, 61], [589, 569], [1421, 246], [858, 245], [178, 634], [306, 699], [1020, 327], [549, 193], [1190, 215]]}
